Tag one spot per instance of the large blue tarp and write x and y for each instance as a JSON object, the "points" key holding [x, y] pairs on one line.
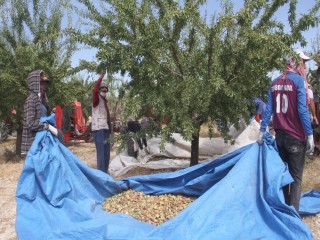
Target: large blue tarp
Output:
{"points": [[239, 196]]}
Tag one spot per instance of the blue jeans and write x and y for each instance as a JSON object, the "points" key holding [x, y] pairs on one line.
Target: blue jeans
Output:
{"points": [[103, 149], [292, 151]]}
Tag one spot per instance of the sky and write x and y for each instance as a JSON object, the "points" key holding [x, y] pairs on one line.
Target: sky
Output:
{"points": [[213, 6]]}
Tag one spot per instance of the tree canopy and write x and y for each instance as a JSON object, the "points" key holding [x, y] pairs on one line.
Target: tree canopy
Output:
{"points": [[181, 65], [31, 37], [188, 69]]}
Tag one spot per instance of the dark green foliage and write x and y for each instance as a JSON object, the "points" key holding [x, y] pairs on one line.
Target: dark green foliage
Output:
{"points": [[177, 61], [187, 69], [32, 37]]}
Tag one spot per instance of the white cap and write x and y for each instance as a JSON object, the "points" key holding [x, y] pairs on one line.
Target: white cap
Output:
{"points": [[302, 55]]}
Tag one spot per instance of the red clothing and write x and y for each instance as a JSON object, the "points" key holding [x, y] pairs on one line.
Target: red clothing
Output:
{"points": [[257, 117], [96, 99], [289, 106]]}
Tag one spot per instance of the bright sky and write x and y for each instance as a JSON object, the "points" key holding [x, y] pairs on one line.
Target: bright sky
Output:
{"points": [[214, 6]]}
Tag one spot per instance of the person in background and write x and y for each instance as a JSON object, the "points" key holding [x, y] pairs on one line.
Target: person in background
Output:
{"points": [[144, 122], [310, 96], [291, 121], [134, 126], [35, 107], [318, 71], [101, 123], [316, 100], [311, 105], [260, 109]]}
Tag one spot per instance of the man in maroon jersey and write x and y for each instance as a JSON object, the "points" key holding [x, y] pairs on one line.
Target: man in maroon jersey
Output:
{"points": [[287, 102]]}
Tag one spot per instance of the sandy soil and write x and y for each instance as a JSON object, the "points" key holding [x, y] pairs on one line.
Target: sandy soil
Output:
{"points": [[10, 172]]}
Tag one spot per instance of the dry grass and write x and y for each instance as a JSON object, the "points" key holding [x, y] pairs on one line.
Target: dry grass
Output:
{"points": [[7, 151], [311, 175], [10, 169], [204, 131]]}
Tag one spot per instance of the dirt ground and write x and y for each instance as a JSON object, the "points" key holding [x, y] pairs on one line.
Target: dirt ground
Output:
{"points": [[10, 172]]}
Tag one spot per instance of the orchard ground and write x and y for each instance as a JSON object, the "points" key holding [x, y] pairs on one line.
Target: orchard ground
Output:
{"points": [[10, 171]]}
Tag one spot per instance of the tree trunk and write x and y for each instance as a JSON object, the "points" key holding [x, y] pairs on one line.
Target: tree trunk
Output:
{"points": [[194, 150], [19, 140]]}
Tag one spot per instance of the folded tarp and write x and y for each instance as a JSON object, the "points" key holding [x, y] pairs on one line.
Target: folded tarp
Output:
{"points": [[239, 196], [176, 154]]}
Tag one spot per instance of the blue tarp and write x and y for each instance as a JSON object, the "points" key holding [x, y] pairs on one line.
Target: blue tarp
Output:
{"points": [[239, 196]]}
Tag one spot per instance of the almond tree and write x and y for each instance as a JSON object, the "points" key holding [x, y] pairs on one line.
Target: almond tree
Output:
{"points": [[190, 69], [31, 37]]}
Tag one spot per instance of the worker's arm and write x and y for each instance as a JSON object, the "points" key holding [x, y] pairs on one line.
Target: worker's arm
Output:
{"points": [[313, 111], [95, 94]]}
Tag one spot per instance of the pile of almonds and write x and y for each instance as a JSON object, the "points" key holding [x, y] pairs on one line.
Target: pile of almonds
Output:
{"points": [[147, 208]]}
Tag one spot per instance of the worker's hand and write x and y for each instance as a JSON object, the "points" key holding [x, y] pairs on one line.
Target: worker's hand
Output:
{"points": [[53, 130], [310, 145], [103, 72], [315, 120], [260, 137], [61, 137]]}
